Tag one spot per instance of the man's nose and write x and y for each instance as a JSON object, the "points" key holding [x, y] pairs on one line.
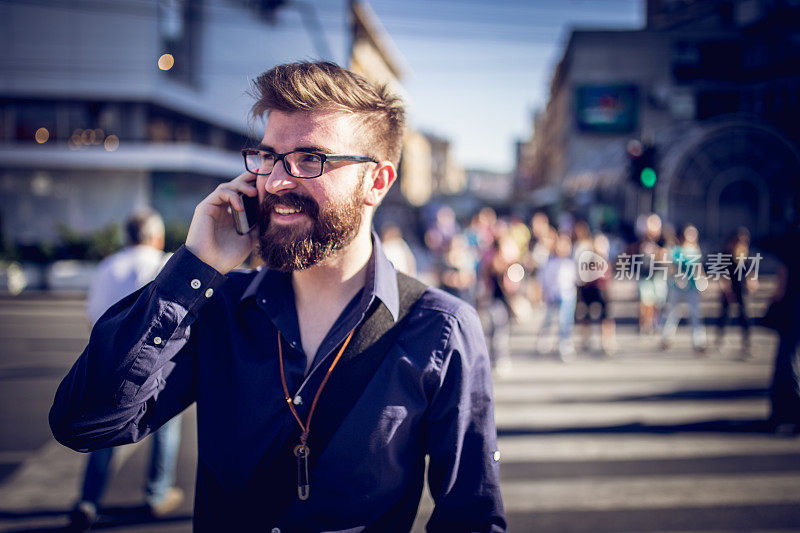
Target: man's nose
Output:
{"points": [[279, 180]]}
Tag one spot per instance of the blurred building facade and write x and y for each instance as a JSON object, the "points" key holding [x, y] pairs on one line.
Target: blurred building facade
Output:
{"points": [[448, 176], [714, 85], [373, 54], [110, 106], [491, 188], [416, 172]]}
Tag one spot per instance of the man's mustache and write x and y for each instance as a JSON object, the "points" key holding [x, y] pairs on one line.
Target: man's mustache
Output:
{"points": [[293, 200]]}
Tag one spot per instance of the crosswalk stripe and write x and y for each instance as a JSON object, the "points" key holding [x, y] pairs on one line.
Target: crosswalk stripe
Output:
{"points": [[651, 492], [610, 447], [582, 415]]}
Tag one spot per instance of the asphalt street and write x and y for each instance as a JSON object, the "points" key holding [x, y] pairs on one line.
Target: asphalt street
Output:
{"points": [[646, 440]]}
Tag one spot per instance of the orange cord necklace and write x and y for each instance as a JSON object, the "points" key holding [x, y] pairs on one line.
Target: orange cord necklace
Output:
{"points": [[301, 451]]}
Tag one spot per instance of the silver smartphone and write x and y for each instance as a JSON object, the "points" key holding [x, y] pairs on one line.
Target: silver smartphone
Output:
{"points": [[245, 220]]}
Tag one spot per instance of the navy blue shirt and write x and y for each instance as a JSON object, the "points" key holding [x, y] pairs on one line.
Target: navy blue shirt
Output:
{"points": [[195, 335]]}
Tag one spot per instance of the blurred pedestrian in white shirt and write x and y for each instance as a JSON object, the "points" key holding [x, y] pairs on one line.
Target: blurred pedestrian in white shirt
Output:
{"points": [[131, 268], [117, 276], [397, 250]]}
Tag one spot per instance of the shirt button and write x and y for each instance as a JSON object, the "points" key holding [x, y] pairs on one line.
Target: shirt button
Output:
{"points": [[496, 456], [297, 400], [195, 283], [209, 293], [157, 340]]}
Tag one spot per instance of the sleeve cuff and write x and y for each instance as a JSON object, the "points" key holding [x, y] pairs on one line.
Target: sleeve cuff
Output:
{"points": [[187, 280]]}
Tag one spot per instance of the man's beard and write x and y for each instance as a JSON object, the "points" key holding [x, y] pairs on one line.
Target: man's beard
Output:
{"points": [[290, 248]]}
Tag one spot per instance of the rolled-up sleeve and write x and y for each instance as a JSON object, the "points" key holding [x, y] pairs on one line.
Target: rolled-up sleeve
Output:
{"points": [[463, 471], [138, 369]]}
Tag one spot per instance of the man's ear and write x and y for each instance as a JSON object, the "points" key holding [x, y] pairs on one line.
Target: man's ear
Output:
{"points": [[382, 178]]}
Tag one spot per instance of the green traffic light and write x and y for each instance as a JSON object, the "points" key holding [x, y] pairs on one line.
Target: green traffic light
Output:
{"points": [[648, 177]]}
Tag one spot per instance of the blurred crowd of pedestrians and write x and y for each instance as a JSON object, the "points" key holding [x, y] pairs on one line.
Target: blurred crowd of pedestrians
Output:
{"points": [[560, 273], [505, 268]]}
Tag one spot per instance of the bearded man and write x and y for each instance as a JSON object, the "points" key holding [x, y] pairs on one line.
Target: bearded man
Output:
{"points": [[322, 380]]}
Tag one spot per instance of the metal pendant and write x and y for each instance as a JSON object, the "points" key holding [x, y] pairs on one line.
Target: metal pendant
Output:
{"points": [[301, 451]]}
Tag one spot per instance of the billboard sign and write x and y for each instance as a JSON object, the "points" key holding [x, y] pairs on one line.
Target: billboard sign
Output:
{"points": [[607, 108]]}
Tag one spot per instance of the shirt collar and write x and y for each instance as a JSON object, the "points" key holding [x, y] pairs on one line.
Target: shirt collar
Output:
{"points": [[384, 278], [381, 282]]}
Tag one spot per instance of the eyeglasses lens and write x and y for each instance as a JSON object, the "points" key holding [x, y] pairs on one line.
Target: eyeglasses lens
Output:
{"points": [[304, 164], [300, 164], [257, 163]]}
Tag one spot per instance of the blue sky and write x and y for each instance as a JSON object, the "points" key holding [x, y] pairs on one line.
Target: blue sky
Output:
{"points": [[479, 68]]}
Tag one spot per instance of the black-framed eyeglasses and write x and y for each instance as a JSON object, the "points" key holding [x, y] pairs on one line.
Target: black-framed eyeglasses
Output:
{"points": [[297, 163]]}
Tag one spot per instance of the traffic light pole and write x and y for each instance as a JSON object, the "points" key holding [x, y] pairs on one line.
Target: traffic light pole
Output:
{"points": [[646, 198]]}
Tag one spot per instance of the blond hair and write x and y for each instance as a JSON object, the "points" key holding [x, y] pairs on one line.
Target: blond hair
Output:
{"points": [[313, 86]]}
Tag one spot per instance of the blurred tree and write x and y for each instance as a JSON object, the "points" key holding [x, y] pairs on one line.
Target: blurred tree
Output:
{"points": [[104, 242], [92, 246]]}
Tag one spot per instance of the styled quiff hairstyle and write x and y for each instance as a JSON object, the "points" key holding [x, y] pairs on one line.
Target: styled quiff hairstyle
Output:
{"points": [[320, 85]]}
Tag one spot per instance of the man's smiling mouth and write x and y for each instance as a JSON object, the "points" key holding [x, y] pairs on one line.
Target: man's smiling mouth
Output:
{"points": [[286, 210]]}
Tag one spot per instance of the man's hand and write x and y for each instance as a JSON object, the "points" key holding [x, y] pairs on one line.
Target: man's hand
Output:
{"points": [[212, 236]]}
